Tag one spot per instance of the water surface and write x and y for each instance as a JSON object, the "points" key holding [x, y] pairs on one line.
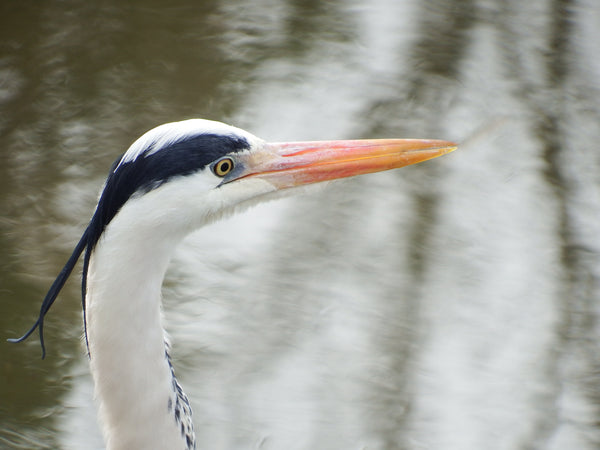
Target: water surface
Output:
{"points": [[449, 305]]}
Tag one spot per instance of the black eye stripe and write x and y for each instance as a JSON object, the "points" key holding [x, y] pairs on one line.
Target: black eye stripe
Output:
{"points": [[149, 171]]}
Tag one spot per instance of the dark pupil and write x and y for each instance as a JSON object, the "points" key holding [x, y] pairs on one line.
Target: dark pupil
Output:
{"points": [[224, 166]]}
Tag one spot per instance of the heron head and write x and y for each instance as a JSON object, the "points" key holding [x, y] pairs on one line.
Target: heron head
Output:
{"points": [[182, 175]]}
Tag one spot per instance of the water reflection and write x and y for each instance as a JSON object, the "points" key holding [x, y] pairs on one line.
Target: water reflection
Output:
{"points": [[452, 305]]}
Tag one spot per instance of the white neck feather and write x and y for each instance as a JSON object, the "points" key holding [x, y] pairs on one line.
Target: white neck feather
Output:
{"points": [[141, 405]]}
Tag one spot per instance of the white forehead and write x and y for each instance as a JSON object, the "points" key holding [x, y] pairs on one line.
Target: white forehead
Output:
{"points": [[164, 135]]}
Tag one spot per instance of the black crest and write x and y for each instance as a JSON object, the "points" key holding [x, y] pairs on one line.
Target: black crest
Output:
{"points": [[149, 170], [155, 167]]}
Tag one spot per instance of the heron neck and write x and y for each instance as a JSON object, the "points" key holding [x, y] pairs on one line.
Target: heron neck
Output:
{"points": [[141, 405]]}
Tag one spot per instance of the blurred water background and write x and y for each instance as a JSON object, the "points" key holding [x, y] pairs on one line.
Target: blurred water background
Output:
{"points": [[450, 305]]}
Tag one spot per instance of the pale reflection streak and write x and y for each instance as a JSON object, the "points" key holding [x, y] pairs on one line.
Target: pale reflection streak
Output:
{"points": [[446, 306]]}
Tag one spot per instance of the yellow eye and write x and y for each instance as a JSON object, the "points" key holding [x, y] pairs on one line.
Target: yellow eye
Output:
{"points": [[223, 167]]}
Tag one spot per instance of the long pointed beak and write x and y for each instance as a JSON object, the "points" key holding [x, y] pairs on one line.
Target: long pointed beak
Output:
{"points": [[290, 164]]}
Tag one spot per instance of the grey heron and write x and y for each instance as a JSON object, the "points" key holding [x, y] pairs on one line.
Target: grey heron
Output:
{"points": [[171, 181]]}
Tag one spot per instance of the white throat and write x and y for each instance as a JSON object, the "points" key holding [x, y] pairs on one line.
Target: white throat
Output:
{"points": [[141, 405]]}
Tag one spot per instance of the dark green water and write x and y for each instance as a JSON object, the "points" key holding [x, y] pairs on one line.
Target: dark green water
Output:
{"points": [[451, 305]]}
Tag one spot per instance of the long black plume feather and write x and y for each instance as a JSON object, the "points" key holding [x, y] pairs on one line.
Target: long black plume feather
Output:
{"points": [[146, 172], [54, 291]]}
